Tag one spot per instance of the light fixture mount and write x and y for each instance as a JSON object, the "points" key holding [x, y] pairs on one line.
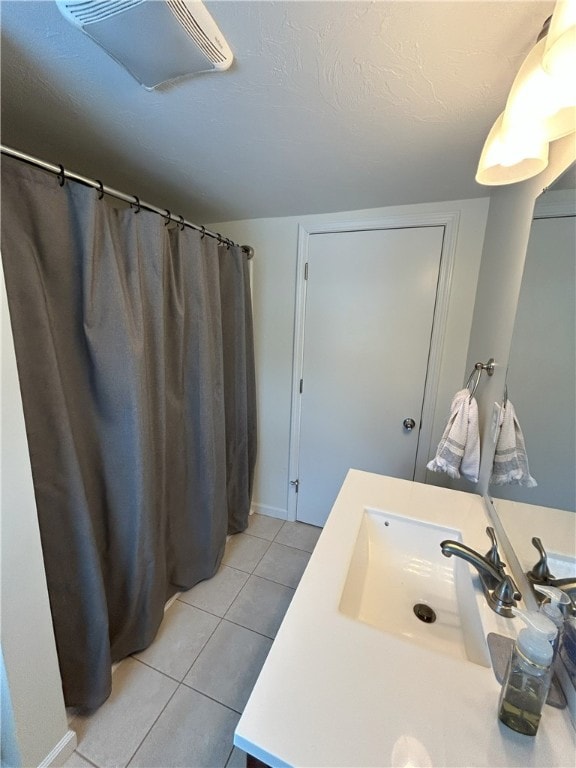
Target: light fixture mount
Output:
{"points": [[545, 28]]}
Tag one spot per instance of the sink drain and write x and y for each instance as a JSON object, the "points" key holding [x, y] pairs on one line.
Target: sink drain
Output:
{"points": [[425, 613]]}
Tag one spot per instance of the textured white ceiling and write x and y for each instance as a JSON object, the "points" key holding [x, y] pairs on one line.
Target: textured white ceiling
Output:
{"points": [[329, 105]]}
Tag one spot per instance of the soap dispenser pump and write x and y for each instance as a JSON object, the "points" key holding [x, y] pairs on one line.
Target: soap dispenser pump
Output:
{"points": [[552, 609], [529, 674]]}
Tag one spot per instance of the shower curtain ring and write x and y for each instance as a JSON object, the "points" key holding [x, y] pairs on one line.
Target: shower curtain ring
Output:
{"points": [[181, 225], [168, 217], [219, 238], [100, 189], [137, 199], [229, 243], [203, 233], [61, 175]]}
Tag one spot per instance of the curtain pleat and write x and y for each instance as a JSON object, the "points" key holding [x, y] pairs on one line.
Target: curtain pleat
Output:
{"points": [[239, 385], [135, 358]]}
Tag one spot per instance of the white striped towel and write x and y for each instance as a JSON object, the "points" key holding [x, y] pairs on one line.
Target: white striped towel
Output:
{"points": [[458, 451], [510, 461]]}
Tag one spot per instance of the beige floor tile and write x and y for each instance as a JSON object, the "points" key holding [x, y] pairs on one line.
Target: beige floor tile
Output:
{"points": [[192, 732], [237, 759], [244, 552], [111, 735], [261, 606], [283, 564], [263, 527], [183, 633], [298, 535], [229, 665], [217, 594], [77, 761]]}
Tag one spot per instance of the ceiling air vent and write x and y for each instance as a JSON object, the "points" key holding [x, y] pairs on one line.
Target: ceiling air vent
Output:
{"points": [[155, 40]]}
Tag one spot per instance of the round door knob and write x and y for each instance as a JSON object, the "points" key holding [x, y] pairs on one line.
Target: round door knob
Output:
{"points": [[408, 424]]}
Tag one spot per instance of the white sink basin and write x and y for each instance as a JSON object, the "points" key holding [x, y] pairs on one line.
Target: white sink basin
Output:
{"points": [[396, 564]]}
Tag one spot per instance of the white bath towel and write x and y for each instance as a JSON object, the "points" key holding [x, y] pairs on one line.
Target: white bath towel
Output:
{"points": [[510, 461], [458, 451]]}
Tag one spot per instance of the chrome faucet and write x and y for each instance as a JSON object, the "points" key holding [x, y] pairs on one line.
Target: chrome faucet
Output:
{"points": [[540, 574], [499, 588]]}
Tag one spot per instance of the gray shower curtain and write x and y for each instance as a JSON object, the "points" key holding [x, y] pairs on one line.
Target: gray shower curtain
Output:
{"points": [[135, 358]]}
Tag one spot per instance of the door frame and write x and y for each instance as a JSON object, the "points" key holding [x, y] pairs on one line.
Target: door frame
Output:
{"points": [[447, 219]]}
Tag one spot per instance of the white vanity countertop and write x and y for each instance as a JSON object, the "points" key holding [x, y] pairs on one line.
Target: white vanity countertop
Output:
{"points": [[337, 692]]}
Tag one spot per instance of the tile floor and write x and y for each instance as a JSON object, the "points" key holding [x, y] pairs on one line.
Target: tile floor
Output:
{"points": [[178, 702]]}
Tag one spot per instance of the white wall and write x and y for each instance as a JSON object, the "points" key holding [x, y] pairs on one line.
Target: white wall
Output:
{"points": [[274, 291], [27, 638]]}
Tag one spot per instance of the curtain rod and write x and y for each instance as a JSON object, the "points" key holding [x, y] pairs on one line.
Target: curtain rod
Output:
{"points": [[63, 174]]}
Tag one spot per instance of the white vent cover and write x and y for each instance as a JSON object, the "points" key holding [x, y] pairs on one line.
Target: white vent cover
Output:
{"points": [[155, 40]]}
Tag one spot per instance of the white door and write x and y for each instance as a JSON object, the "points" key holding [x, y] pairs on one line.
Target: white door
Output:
{"points": [[369, 309]]}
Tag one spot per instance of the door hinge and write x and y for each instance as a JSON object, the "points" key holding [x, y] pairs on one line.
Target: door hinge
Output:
{"points": [[306, 271], [301, 385], [295, 483]]}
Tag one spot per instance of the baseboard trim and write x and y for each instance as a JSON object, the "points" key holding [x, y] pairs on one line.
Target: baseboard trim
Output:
{"points": [[61, 752], [171, 600], [277, 512]]}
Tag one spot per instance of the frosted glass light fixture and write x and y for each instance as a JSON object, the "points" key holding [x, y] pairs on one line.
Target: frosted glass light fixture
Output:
{"points": [[541, 106], [560, 51], [537, 96], [512, 155]]}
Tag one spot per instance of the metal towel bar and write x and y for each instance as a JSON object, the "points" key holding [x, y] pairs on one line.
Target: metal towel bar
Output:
{"points": [[478, 368]]}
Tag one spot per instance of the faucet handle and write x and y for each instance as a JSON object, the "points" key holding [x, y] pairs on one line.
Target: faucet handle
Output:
{"points": [[540, 573], [493, 555], [506, 593]]}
